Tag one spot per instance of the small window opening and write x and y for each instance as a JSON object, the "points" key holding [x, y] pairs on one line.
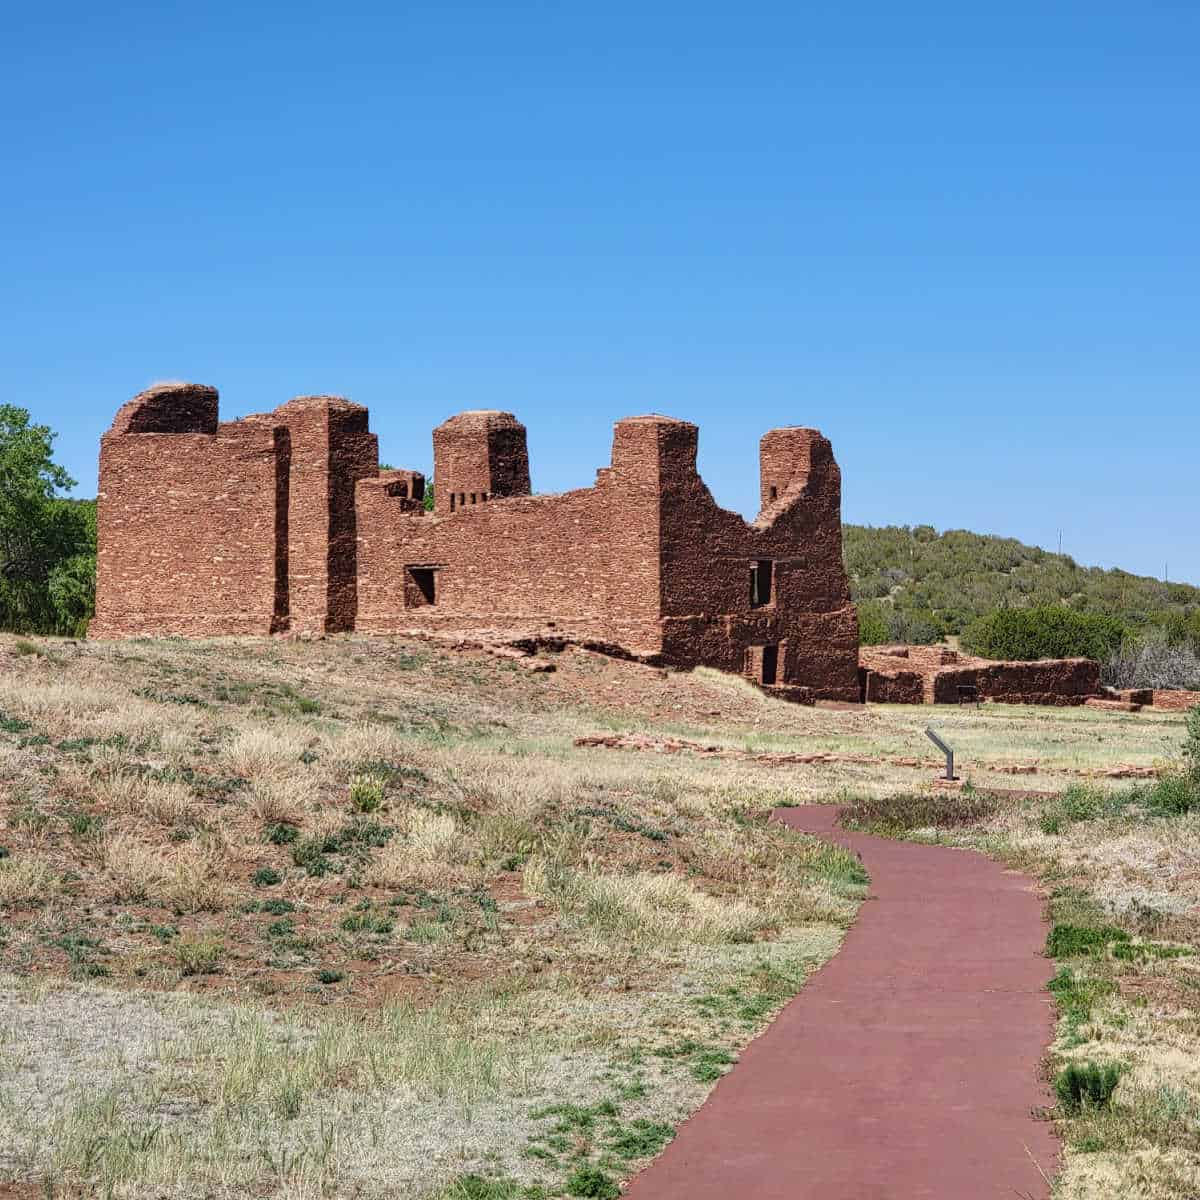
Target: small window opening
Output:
{"points": [[770, 664], [420, 587], [774, 493], [462, 499], [760, 583], [483, 497], [451, 501], [472, 497], [402, 491]]}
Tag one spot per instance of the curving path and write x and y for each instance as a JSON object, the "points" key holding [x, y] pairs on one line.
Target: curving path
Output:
{"points": [[907, 1068]]}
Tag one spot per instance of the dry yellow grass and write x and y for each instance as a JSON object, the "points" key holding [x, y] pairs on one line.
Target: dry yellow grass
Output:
{"points": [[263, 829]]}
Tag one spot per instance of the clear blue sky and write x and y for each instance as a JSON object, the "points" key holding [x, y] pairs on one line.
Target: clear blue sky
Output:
{"points": [[961, 239]]}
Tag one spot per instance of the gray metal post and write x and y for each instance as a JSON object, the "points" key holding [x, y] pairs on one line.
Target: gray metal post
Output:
{"points": [[937, 741]]}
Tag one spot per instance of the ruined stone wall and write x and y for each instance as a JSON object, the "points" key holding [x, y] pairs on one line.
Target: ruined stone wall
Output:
{"points": [[1175, 701], [708, 552], [1056, 681], [331, 450], [246, 527], [899, 687], [283, 521], [478, 456], [583, 563], [191, 520]]}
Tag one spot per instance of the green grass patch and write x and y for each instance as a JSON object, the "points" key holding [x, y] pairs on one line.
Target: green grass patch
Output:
{"points": [[1081, 941]]}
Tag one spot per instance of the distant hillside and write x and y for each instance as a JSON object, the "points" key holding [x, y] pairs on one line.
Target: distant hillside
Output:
{"points": [[924, 584]]}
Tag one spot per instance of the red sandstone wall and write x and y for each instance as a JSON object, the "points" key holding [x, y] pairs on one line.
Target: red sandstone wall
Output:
{"points": [[1175, 700], [246, 527], [1063, 681], [478, 456], [645, 559], [707, 552], [331, 449], [585, 562], [188, 526], [1066, 681], [900, 687]]}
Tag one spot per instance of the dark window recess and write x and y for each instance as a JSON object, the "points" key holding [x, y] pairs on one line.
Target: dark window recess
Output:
{"points": [[451, 501], [770, 664], [760, 583], [774, 493], [420, 586]]}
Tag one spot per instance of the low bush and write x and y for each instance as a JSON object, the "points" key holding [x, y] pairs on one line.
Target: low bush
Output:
{"points": [[1025, 634], [593, 1184], [198, 956], [366, 793], [1086, 1084]]}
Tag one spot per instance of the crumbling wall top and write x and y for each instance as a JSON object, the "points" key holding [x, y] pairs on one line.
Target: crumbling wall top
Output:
{"points": [[170, 407]]}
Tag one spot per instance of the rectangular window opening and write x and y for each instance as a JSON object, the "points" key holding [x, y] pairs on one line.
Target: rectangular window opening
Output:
{"points": [[472, 497], [760, 583], [451, 501], [420, 586], [774, 493], [770, 664]]}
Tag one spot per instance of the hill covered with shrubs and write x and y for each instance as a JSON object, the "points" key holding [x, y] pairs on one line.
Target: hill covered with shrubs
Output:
{"points": [[1008, 600], [921, 582]]}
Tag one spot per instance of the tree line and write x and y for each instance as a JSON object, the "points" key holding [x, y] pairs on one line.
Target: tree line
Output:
{"points": [[47, 540]]}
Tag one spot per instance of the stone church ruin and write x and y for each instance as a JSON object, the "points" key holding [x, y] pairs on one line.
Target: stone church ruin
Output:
{"points": [[283, 522]]}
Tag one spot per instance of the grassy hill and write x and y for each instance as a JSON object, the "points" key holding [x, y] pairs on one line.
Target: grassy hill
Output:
{"points": [[926, 584]]}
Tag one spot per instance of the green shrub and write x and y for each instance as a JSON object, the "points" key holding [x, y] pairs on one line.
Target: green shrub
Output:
{"points": [[1083, 803], [366, 793], [1087, 1083], [198, 956], [593, 1183], [872, 624], [1174, 794], [1191, 745], [1052, 631], [328, 977], [265, 877]]}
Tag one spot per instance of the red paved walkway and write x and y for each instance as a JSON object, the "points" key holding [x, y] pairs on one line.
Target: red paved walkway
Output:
{"points": [[907, 1067]]}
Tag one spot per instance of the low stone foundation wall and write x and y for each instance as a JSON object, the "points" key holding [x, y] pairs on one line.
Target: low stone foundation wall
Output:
{"points": [[939, 675], [1175, 701]]}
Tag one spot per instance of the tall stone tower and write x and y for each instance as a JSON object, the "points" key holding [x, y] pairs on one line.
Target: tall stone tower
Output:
{"points": [[477, 456]]}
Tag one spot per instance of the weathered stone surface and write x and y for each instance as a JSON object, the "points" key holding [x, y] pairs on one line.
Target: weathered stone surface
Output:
{"points": [[1175, 700], [284, 522], [892, 673]]}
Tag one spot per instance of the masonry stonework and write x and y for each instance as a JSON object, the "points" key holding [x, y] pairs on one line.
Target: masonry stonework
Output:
{"points": [[939, 675], [283, 522]]}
